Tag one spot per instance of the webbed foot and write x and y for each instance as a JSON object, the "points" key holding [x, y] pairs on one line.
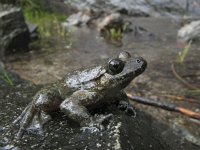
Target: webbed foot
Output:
{"points": [[97, 123], [127, 108], [31, 121]]}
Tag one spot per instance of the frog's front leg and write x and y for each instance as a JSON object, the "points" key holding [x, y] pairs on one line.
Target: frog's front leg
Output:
{"points": [[124, 105], [74, 107]]}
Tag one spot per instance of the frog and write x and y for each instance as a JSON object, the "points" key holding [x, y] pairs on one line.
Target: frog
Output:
{"points": [[83, 90]]}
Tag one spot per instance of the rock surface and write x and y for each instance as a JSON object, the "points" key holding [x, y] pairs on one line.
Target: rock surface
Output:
{"points": [[114, 20], [123, 132], [8, 1], [14, 33], [156, 8], [189, 32]]}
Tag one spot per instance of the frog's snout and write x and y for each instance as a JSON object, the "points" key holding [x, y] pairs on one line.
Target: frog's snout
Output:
{"points": [[140, 65]]}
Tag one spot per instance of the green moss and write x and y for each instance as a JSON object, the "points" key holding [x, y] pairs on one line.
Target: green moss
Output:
{"points": [[116, 33], [49, 23], [4, 75]]}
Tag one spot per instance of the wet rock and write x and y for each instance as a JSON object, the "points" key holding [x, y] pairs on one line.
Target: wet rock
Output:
{"points": [[189, 32], [122, 132], [111, 21], [103, 21], [81, 18], [156, 8], [14, 34]]}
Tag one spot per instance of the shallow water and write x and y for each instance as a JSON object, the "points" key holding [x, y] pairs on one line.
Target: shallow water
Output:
{"points": [[158, 46]]}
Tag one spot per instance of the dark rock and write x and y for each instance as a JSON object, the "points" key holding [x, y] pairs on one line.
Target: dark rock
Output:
{"points": [[123, 132], [8, 2], [33, 31], [14, 34]]}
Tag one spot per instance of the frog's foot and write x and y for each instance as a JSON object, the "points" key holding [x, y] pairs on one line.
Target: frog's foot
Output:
{"points": [[38, 122], [97, 123], [102, 119], [127, 108], [21, 116], [90, 129], [31, 120], [25, 120]]}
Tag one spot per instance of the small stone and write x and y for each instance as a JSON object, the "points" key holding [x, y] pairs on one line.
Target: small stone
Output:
{"points": [[189, 32]]}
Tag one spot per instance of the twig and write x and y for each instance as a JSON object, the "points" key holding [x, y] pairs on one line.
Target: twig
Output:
{"points": [[181, 98], [192, 87], [169, 107], [191, 75]]}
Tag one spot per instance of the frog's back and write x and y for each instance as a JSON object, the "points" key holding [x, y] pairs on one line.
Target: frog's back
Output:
{"points": [[85, 79]]}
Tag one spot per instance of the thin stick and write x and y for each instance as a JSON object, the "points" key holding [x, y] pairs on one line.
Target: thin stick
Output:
{"points": [[192, 87], [181, 98], [169, 107]]}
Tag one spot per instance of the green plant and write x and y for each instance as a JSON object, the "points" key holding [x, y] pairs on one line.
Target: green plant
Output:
{"points": [[115, 33], [4, 76], [184, 52], [49, 23]]}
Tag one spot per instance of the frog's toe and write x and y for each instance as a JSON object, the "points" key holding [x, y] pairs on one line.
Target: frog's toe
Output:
{"points": [[91, 129], [35, 130], [123, 105], [103, 119], [21, 116], [130, 111]]}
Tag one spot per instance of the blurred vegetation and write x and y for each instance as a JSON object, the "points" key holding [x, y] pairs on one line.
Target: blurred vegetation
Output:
{"points": [[49, 23], [116, 34], [182, 55], [4, 75]]}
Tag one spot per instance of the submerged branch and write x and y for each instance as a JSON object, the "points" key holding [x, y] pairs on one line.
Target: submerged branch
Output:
{"points": [[166, 106], [192, 87]]}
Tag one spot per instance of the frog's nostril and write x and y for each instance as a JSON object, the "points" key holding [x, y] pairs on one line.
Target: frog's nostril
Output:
{"points": [[138, 61]]}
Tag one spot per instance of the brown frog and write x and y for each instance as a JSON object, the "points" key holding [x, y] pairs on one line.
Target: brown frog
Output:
{"points": [[80, 91]]}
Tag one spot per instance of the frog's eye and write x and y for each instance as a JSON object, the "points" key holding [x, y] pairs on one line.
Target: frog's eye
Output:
{"points": [[115, 66]]}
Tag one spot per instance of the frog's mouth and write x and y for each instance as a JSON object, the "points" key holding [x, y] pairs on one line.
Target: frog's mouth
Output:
{"points": [[139, 66], [141, 69], [133, 69]]}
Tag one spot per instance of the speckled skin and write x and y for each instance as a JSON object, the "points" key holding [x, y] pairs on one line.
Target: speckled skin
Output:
{"points": [[80, 90]]}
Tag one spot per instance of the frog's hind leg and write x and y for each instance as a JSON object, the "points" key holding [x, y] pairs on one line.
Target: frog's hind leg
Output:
{"points": [[20, 117], [74, 108], [26, 120], [39, 120]]}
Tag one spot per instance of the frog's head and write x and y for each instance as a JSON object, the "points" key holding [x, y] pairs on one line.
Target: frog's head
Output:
{"points": [[122, 70]]}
